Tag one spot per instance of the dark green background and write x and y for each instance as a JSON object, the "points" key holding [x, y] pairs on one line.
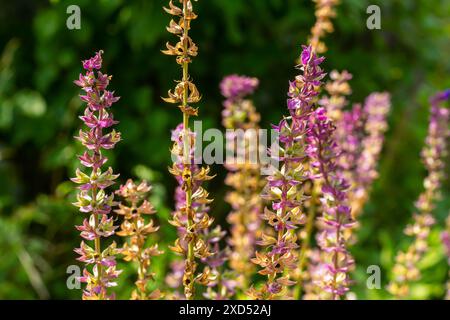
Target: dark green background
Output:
{"points": [[40, 58]]}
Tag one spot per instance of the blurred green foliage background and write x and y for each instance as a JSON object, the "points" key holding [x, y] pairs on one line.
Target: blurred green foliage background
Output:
{"points": [[40, 58]]}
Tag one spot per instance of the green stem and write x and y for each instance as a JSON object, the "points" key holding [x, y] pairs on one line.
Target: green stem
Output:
{"points": [[141, 273], [186, 150], [190, 254], [97, 243]]}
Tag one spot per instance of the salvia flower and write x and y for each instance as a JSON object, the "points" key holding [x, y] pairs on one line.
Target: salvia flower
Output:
{"points": [[223, 282], [349, 136], [324, 12], [240, 115], [185, 92], [314, 275], [375, 112], [323, 152], [135, 228], [360, 135], [433, 154], [92, 197], [192, 219], [284, 187], [192, 222], [334, 102], [349, 124], [213, 259], [174, 278], [238, 112], [337, 88], [235, 87]]}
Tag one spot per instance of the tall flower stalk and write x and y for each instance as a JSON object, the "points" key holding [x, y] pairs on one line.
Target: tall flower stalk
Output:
{"points": [[349, 135], [93, 197], [184, 94], [376, 109], [324, 12], [336, 218], [338, 88], [204, 238], [335, 102], [135, 228], [217, 280], [360, 136], [240, 117], [326, 150], [285, 186], [433, 154], [359, 133]]}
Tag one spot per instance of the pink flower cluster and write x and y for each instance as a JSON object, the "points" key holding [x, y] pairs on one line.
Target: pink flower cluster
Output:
{"points": [[284, 187], [234, 87], [336, 218], [93, 197]]}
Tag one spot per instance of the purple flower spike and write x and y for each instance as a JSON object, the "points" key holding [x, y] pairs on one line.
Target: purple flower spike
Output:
{"points": [[306, 55], [235, 87], [285, 186], [433, 155], [94, 63], [336, 218], [92, 197], [243, 178]]}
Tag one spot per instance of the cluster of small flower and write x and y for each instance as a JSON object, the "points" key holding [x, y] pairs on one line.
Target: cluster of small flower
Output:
{"points": [[328, 154]]}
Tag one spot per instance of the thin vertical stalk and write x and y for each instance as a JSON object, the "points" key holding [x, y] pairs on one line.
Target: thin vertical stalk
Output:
{"points": [[92, 197], [186, 151], [190, 243]]}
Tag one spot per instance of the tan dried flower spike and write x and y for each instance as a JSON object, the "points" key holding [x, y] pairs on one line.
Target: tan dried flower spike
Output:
{"points": [[324, 13], [135, 229], [189, 217]]}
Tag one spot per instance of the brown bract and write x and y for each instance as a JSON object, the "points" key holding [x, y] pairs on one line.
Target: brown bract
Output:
{"points": [[190, 217], [185, 91], [135, 228], [246, 184]]}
